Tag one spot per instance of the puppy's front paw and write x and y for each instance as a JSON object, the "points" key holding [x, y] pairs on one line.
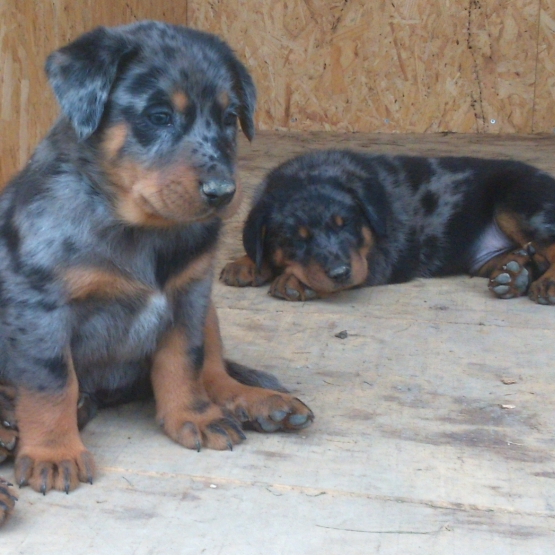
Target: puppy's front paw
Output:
{"points": [[289, 288], [45, 468], [264, 410], [8, 426], [206, 426], [7, 499]]}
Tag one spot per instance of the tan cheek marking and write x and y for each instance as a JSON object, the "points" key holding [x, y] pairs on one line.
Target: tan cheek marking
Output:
{"points": [[359, 259], [155, 197], [81, 283], [113, 140], [180, 101], [196, 270], [368, 239], [278, 258]]}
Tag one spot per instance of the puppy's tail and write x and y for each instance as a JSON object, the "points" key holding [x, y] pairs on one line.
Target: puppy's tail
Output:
{"points": [[254, 378]]}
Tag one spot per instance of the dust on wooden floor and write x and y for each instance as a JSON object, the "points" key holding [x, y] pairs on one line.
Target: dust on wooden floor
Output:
{"points": [[434, 428]]}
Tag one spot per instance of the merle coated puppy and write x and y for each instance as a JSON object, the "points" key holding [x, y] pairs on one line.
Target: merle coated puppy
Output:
{"points": [[332, 220], [107, 241]]}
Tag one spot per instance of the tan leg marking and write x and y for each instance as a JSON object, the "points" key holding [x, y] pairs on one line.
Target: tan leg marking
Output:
{"points": [[183, 407], [8, 423], [50, 453], [7, 499], [542, 290], [267, 410]]}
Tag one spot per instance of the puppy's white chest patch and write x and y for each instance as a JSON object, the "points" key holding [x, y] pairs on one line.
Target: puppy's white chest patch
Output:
{"points": [[491, 243], [148, 323]]}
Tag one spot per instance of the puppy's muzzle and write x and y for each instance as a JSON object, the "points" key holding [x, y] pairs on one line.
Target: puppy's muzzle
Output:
{"points": [[340, 273], [217, 193]]}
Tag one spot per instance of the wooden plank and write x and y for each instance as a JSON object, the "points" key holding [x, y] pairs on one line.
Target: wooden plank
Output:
{"points": [[411, 451], [544, 96]]}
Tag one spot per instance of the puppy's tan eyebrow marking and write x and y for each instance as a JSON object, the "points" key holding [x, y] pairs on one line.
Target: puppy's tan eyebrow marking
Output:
{"points": [[180, 100], [223, 99], [303, 232], [113, 140], [338, 221]]}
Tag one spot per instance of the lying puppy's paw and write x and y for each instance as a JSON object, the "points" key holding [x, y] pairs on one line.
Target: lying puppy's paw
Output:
{"points": [[243, 273], [289, 288], [512, 278], [542, 291]]}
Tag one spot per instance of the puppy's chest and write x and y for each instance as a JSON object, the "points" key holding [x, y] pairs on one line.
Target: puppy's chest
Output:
{"points": [[123, 314]]}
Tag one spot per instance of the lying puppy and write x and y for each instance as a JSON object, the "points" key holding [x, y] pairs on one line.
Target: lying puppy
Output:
{"points": [[107, 241], [332, 220]]}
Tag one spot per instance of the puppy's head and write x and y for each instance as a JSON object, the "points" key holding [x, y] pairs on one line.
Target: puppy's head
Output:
{"points": [[322, 233], [160, 105]]}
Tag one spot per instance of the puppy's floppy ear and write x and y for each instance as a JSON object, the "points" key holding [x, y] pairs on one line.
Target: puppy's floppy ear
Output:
{"points": [[81, 75], [246, 92], [254, 232]]}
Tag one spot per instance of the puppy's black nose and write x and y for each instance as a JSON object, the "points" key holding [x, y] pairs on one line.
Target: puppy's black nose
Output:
{"points": [[340, 273], [217, 192]]}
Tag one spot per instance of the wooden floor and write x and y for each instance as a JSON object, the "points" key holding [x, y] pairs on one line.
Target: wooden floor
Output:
{"points": [[434, 431]]}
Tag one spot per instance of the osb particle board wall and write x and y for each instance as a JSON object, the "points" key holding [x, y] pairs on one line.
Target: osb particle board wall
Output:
{"points": [[347, 65], [29, 30], [397, 65]]}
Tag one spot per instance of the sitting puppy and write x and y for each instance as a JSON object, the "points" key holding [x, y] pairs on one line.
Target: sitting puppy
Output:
{"points": [[332, 220], [107, 241]]}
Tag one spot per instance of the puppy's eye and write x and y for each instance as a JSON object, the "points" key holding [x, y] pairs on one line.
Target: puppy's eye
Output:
{"points": [[160, 118], [230, 119]]}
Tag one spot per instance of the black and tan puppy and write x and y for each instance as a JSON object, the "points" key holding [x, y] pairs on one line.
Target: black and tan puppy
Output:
{"points": [[107, 240], [332, 220]]}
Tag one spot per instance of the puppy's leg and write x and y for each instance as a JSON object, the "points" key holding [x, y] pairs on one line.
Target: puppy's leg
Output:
{"points": [[243, 272], [7, 499], [50, 453], [525, 213], [8, 440], [183, 407], [528, 269], [266, 410], [8, 426]]}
